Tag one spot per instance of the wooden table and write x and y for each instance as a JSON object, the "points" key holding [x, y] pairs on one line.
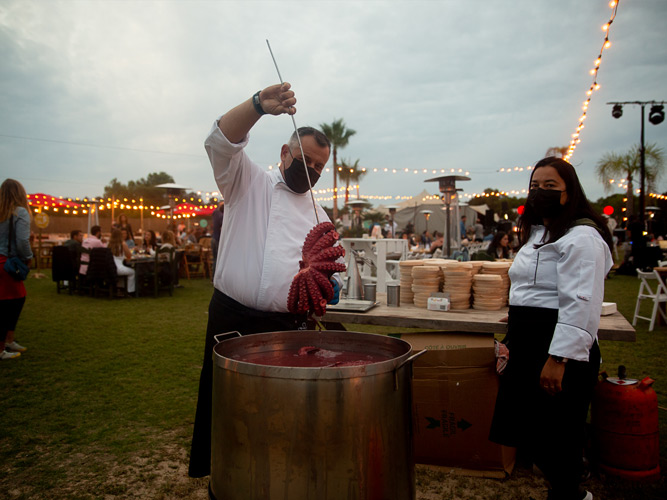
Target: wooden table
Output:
{"points": [[612, 327], [143, 267]]}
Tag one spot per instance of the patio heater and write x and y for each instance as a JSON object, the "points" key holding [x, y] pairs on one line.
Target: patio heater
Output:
{"points": [[447, 185], [357, 206], [427, 216]]}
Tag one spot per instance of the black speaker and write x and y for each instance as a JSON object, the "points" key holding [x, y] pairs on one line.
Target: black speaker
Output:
{"points": [[488, 219]]}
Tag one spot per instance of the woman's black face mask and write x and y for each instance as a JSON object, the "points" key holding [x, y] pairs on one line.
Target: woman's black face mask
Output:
{"points": [[545, 202], [295, 176]]}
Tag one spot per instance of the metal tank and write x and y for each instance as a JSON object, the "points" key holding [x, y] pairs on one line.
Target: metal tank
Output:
{"points": [[321, 433]]}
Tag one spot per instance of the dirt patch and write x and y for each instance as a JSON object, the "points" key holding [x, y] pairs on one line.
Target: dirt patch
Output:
{"points": [[160, 473]]}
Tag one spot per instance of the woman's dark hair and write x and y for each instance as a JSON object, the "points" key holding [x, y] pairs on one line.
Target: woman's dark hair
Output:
{"points": [[495, 244], [576, 207], [152, 243]]}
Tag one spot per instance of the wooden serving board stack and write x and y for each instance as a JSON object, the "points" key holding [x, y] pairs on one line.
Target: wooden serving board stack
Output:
{"points": [[405, 268], [491, 286], [425, 280], [458, 283]]}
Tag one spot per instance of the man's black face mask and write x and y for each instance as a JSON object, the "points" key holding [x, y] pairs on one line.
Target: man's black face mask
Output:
{"points": [[295, 176]]}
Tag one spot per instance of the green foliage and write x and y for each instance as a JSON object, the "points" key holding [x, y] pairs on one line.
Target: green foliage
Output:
{"points": [[142, 188], [499, 204], [627, 166], [350, 174], [339, 136]]}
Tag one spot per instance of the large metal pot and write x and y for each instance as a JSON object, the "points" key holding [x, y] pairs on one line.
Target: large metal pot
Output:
{"points": [[312, 433]]}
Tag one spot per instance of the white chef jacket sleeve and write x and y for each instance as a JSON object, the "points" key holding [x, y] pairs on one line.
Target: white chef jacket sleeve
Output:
{"points": [[581, 272], [232, 169]]}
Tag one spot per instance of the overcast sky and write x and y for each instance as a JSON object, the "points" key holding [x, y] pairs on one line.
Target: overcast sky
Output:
{"points": [[96, 90]]}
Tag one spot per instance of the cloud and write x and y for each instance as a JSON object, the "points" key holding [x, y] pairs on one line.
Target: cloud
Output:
{"points": [[121, 89]]}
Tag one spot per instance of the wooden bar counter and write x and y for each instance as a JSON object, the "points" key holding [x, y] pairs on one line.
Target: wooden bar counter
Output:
{"points": [[612, 327]]}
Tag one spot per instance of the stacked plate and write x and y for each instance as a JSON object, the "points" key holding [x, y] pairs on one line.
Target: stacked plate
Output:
{"points": [[487, 292], [476, 266], [405, 268], [458, 282], [425, 280], [501, 269]]}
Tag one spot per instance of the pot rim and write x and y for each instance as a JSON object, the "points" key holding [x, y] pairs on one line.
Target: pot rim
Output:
{"points": [[263, 341]]}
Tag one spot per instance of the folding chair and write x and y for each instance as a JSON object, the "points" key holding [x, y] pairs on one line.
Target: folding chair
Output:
{"points": [[657, 293], [165, 270], [194, 260]]}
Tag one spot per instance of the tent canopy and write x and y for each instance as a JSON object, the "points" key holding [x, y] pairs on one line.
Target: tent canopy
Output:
{"points": [[46, 200]]}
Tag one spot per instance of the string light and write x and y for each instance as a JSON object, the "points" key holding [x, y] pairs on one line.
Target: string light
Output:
{"points": [[595, 85]]}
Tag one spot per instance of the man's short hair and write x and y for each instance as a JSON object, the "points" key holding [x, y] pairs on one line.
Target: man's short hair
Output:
{"points": [[74, 233], [95, 229], [321, 139]]}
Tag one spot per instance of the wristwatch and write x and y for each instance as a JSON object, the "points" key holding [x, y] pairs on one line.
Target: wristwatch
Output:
{"points": [[258, 104], [559, 359]]}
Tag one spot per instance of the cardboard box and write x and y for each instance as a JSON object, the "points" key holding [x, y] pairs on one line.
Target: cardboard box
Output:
{"points": [[454, 393]]}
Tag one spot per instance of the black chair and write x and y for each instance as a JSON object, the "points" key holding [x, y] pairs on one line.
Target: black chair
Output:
{"points": [[82, 285], [102, 273], [166, 271], [64, 268]]}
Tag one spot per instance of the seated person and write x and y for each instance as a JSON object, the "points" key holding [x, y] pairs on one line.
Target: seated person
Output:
{"points": [[93, 241], [120, 252], [149, 244], [126, 238], [168, 239], [499, 248], [74, 242], [438, 241]]}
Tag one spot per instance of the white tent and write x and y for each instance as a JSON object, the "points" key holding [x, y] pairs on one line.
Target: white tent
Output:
{"points": [[413, 211]]}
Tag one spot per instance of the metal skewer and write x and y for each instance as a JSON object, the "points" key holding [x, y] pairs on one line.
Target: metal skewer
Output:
{"points": [[296, 130]]}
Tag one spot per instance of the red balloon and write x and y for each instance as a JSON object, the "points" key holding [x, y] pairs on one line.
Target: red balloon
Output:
{"points": [[520, 209], [608, 210]]}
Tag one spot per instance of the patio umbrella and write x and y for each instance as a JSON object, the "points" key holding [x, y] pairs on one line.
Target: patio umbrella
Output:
{"points": [[207, 210], [42, 200], [180, 209]]}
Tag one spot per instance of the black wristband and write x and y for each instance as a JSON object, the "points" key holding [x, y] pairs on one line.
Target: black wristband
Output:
{"points": [[257, 104]]}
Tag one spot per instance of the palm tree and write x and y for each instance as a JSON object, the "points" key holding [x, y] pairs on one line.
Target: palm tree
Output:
{"points": [[628, 165], [339, 135], [557, 151], [350, 173]]}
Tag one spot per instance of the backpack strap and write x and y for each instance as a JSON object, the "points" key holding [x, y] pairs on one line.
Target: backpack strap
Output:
{"points": [[585, 221]]}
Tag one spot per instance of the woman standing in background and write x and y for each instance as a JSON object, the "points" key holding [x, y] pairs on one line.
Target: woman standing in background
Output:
{"points": [[14, 220]]}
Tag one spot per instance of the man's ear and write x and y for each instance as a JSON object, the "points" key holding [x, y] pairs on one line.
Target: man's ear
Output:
{"points": [[284, 153]]}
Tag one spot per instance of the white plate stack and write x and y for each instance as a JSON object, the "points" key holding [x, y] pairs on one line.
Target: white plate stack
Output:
{"points": [[487, 292], [458, 283], [425, 280], [405, 268]]}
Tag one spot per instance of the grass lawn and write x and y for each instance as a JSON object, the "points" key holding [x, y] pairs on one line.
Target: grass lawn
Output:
{"points": [[102, 403]]}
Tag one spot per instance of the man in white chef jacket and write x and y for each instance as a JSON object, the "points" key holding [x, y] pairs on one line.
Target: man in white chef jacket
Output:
{"points": [[267, 217]]}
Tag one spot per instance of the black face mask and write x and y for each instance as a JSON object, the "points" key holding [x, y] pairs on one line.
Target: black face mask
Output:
{"points": [[295, 176], [545, 202]]}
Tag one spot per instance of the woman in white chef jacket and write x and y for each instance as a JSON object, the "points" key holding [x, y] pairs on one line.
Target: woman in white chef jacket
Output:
{"points": [[555, 303]]}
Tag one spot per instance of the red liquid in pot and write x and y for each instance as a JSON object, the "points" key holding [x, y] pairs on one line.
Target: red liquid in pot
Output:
{"points": [[311, 357]]}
